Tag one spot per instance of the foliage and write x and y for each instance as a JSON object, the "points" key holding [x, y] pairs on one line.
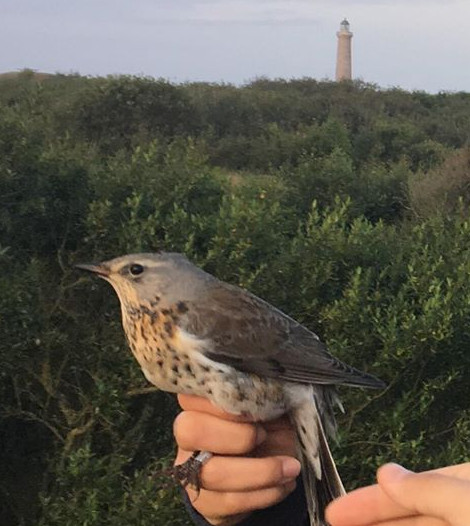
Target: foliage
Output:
{"points": [[343, 204], [444, 189], [121, 112]]}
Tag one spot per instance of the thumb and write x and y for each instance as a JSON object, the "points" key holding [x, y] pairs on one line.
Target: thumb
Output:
{"points": [[428, 494]]}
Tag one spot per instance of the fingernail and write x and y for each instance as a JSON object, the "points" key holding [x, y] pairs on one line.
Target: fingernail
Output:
{"points": [[290, 468], [260, 435]]}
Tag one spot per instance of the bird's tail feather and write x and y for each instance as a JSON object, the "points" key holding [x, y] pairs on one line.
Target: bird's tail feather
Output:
{"points": [[320, 476]]}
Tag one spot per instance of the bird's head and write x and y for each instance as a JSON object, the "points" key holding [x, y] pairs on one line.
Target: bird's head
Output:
{"points": [[142, 278]]}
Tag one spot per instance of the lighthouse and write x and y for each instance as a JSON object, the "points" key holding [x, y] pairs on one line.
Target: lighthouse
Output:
{"points": [[343, 57]]}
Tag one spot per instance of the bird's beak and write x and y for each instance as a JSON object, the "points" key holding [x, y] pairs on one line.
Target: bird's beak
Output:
{"points": [[97, 268]]}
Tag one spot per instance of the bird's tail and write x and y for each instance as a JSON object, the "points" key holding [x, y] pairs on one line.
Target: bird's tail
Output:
{"points": [[320, 476]]}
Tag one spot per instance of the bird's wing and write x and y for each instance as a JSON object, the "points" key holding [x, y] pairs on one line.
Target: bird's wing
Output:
{"points": [[253, 336]]}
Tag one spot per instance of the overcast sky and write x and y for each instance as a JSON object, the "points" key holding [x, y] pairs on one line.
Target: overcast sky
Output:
{"points": [[414, 44]]}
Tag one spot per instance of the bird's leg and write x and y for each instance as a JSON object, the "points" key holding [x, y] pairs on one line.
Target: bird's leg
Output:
{"points": [[187, 473]]}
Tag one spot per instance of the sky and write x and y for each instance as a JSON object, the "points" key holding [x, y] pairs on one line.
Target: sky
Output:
{"points": [[411, 44]]}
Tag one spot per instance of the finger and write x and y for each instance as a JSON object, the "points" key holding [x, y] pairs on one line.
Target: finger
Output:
{"points": [[214, 505], [461, 471], [203, 405], [200, 431], [412, 521], [370, 505], [430, 494], [364, 506], [230, 474]]}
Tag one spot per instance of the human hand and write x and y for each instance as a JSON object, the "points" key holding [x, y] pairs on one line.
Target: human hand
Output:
{"points": [[253, 466], [402, 498]]}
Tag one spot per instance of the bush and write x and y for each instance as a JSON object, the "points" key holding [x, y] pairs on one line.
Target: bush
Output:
{"points": [[444, 189]]}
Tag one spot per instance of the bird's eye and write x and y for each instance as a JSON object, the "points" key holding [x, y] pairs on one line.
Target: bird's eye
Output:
{"points": [[135, 269]]}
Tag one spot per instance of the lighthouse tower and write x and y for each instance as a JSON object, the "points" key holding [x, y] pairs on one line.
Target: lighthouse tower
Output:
{"points": [[343, 57]]}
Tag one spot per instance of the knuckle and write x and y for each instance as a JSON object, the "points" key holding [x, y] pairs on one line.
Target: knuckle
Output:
{"points": [[186, 430], [204, 503], [247, 438], [236, 503], [182, 400], [180, 457], [233, 503], [211, 506], [212, 474]]}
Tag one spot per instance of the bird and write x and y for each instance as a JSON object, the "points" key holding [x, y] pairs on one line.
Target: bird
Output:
{"points": [[192, 333]]}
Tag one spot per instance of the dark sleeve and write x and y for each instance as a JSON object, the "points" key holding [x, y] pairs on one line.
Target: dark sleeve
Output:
{"points": [[292, 511]]}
